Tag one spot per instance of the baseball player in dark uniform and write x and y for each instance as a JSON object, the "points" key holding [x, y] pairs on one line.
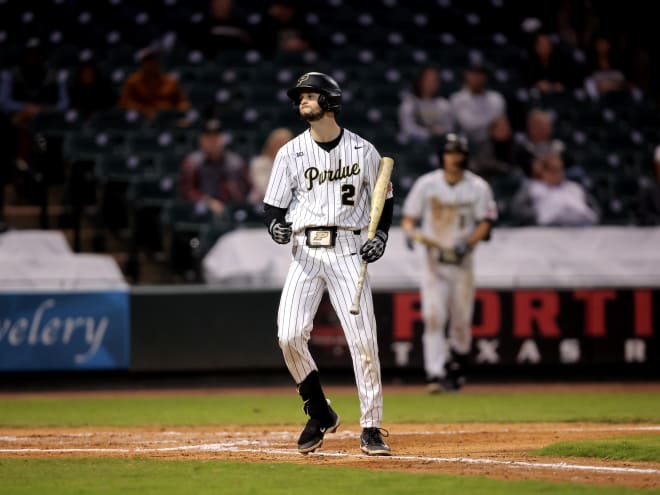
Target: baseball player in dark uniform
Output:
{"points": [[318, 196]]}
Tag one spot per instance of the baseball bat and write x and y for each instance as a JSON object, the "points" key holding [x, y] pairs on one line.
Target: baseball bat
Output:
{"points": [[377, 201], [446, 253], [428, 241]]}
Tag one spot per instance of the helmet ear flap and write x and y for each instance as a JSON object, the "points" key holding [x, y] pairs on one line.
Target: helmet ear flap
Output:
{"points": [[323, 102]]}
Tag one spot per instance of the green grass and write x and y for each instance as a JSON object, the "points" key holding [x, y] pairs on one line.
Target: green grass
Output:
{"points": [[627, 448], [157, 477], [61, 476], [234, 409]]}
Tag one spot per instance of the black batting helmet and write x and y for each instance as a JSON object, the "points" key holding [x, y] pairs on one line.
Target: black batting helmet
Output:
{"points": [[458, 143], [317, 82]]}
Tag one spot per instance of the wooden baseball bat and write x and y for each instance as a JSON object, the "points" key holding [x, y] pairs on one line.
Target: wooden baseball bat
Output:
{"points": [[446, 253], [428, 241], [378, 197]]}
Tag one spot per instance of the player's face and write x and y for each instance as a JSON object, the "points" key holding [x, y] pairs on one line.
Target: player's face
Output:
{"points": [[452, 161], [309, 107]]}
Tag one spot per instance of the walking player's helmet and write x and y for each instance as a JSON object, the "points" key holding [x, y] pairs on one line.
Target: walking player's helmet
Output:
{"points": [[458, 143], [317, 82]]}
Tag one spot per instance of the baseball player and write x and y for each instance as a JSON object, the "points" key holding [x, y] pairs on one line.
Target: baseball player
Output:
{"points": [[318, 197], [456, 210]]}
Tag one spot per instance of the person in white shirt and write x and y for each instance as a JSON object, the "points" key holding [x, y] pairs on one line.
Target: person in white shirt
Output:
{"points": [[475, 107], [423, 113], [552, 200], [262, 164]]}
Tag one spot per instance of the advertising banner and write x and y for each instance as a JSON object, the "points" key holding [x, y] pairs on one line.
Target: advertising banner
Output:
{"points": [[64, 330], [516, 327]]}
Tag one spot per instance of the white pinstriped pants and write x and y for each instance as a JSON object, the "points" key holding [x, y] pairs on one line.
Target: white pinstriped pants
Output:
{"points": [[312, 270], [447, 296]]}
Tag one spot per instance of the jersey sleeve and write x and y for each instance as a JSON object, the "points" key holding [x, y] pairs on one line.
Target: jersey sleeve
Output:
{"points": [[372, 160], [485, 207], [279, 192]]}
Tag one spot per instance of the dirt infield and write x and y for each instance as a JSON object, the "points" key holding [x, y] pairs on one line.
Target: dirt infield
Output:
{"points": [[496, 450]]}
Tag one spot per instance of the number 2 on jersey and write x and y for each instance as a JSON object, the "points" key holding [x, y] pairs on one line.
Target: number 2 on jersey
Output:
{"points": [[348, 194]]}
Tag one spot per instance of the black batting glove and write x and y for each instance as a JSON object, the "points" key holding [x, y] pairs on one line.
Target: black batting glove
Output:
{"points": [[410, 241], [372, 250], [280, 231], [461, 248]]}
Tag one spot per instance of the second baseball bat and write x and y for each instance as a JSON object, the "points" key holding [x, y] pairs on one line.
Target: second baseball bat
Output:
{"points": [[378, 197]]}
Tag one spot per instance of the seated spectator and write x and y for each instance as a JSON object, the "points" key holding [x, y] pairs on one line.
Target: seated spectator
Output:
{"points": [[538, 142], [544, 68], [423, 113], [604, 69], [32, 86], [475, 106], [213, 174], [89, 90], [8, 151], [261, 165], [495, 157], [284, 29], [649, 196], [551, 200], [223, 29], [149, 90]]}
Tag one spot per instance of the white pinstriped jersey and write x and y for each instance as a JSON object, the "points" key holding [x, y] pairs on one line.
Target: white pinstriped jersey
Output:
{"points": [[449, 213], [324, 188]]}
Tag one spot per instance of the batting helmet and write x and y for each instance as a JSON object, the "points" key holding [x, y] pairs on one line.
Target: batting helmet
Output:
{"points": [[317, 82], [457, 143]]}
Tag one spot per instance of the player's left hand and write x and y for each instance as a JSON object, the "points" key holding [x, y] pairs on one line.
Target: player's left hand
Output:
{"points": [[461, 248], [372, 250], [455, 254]]}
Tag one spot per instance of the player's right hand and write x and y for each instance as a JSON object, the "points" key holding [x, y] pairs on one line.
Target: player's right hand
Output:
{"points": [[410, 239], [280, 231]]}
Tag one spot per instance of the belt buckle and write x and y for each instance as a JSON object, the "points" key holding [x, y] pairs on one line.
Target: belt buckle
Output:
{"points": [[321, 237]]}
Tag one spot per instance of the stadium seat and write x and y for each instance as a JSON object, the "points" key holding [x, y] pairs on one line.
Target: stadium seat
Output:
{"points": [[148, 195], [117, 119], [185, 224]]}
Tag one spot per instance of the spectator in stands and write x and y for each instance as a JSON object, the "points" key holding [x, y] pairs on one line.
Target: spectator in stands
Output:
{"points": [[89, 90], [545, 68], [224, 28], [284, 29], [551, 200], [149, 90], [475, 106], [261, 165], [213, 174], [32, 86], [495, 157], [423, 113], [8, 149], [604, 68], [649, 195], [537, 142]]}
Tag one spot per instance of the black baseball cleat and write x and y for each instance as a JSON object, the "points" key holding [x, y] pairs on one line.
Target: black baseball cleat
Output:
{"points": [[371, 442], [434, 385], [452, 383], [454, 379], [312, 435]]}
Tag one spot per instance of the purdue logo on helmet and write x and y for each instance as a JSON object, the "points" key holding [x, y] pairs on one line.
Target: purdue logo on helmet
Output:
{"points": [[317, 82]]}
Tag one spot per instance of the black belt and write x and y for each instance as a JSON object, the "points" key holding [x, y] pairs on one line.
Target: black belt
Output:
{"points": [[322, 237], [333, 229]]}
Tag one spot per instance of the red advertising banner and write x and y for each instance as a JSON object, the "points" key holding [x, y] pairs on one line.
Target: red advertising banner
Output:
{"points": [[510, 327]]}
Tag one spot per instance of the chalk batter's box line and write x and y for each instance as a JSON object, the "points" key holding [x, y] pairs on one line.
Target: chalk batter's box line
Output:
{"points": [[290, 452]]}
